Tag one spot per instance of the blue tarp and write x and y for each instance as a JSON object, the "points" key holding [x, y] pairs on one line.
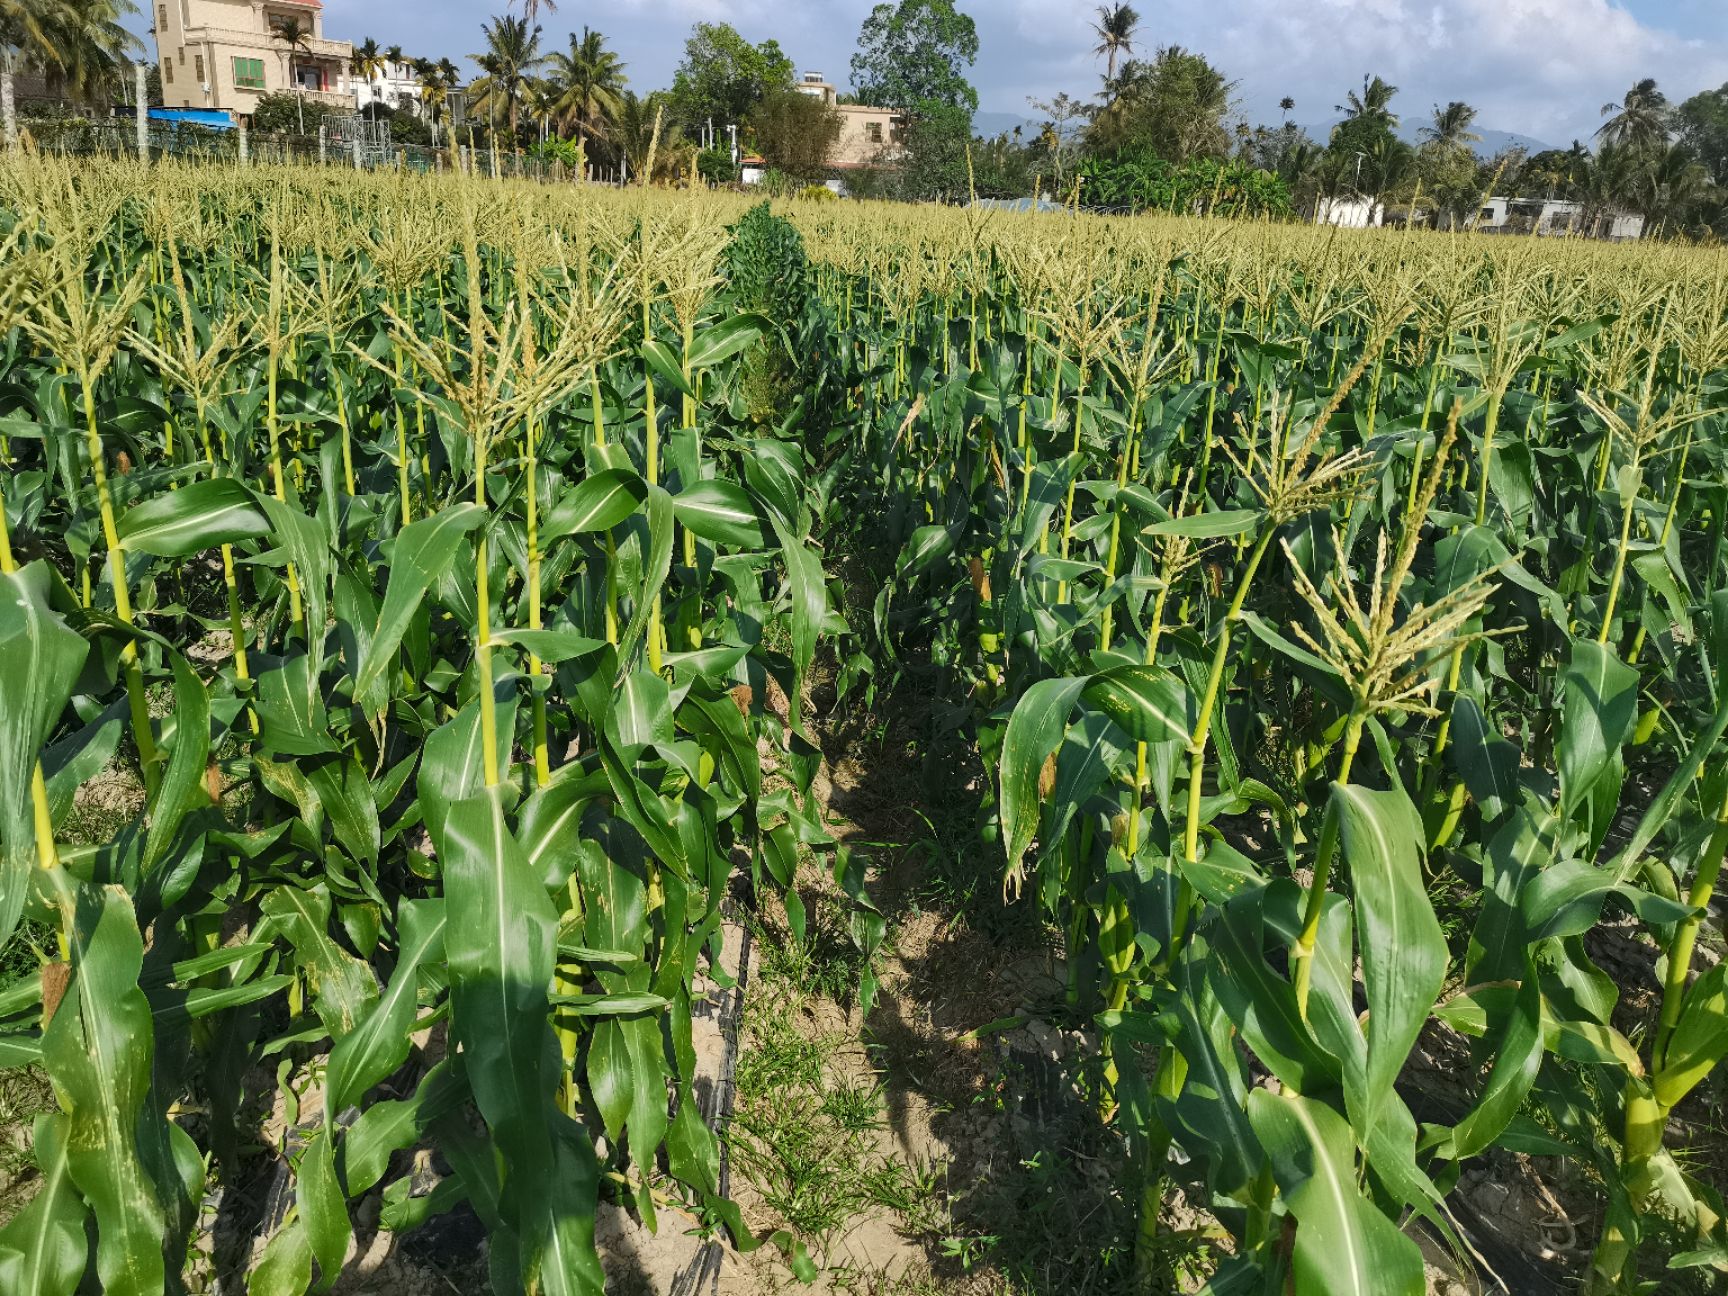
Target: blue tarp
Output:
{"points": [[212, 118]]}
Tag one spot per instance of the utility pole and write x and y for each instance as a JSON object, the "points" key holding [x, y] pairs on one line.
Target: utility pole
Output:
{"points": [[732, 130], [142, 108]]}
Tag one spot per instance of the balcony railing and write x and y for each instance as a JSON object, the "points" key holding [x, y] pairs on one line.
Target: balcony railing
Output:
{"points": [[316, 46]]}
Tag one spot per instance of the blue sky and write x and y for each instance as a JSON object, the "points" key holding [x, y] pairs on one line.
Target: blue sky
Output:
{"points": [[1540, 67]]}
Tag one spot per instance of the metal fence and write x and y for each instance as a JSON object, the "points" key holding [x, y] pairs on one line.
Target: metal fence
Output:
{"points": [[352, 141]]}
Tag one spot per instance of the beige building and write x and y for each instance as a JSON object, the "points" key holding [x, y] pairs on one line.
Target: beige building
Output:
{"points": [[230, 54], [867, 135]]}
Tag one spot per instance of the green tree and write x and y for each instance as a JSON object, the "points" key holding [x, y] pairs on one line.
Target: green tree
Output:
{"points": [[591, 80], [795, 133], [1641, 120], [1702, 122], [723, 76], [1115, 30], [914, 55], [1669, 189], [292, 37], [1063, 133], [1451, 126], [287, 113], [1173, 107], [1373, 103], [367, 61], [438, 80], [84, 46], [510, 59], [1451, 178], [1552, 173]]}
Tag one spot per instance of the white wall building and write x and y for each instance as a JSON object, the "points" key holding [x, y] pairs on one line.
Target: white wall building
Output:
{"points": [[396, 85], [1350, 213], [1556, 216]]}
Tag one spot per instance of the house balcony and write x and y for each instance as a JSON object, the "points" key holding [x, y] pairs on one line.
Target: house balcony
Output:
{"points": [[328, 98], [309, 47]]}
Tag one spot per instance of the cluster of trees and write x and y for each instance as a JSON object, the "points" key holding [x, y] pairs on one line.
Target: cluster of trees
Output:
{"points": [[78, 44], [1174, 109], [1164, 129]]}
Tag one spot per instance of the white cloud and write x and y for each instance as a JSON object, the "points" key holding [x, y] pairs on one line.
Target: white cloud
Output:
{"points": [[1542, 67]]}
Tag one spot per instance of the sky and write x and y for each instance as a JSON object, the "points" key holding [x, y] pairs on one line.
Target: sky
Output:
{"points": [[1542, 68]]}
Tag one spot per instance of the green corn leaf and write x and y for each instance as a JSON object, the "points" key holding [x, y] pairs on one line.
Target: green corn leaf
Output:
{"points": [[285, 1268], [807, 586], [1402, 947], [380, 1043], [1034, 731], [40, 660], [1344, 1245], [1599, 707], [423, 553], [183, 787], [664, 363], [1148, 703], [657, 565], [551, 646], [501, 959], [304, 544], [345, 987], [1517, 1060], [1699, 1039], [323, 1209], [98, 1053], [610, 1006], [719, 342], [1487, 763], [43, 1249], [721, 512], [1217, 525], [597, 503], [199, 516]]}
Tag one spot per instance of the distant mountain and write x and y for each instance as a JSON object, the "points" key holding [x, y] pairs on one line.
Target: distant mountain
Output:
{"points": [[1492, 143], [992, 124]]}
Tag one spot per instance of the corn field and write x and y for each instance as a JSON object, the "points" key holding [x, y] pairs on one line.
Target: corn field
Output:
{"points": [[436, 573]]}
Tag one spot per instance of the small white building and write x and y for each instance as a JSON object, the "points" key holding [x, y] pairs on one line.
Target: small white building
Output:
{"points": [[396, 85], [1556, 216], [1350, 213]]}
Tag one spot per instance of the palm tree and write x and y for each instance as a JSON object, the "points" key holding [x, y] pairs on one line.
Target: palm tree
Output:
{"points": [[1641, 120], [541, 100], [531, 8], [1451, 125], [79, 42], [591, 78], [1115, 30], [511, 57], [1668, 185], [367, 61], [1374, 102], [438, 81], [1286, 105], [633, 132], [86, 43], [294, 37]]}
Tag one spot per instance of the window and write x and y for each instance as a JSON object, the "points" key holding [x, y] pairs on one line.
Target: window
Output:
{"points": [[161, 18], [198, 68], [249, 74], [873, 132], [167, 71]]}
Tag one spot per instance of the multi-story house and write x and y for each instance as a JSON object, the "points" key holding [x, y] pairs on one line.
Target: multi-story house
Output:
{"points": [[868, 136], [395, 85], [231, 53]]}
